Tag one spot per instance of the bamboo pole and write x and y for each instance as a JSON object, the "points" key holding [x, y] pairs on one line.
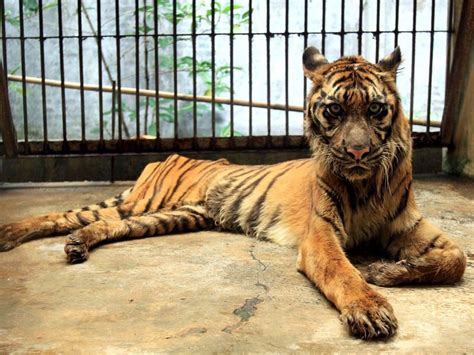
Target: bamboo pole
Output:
{"points": [[179, 96]]}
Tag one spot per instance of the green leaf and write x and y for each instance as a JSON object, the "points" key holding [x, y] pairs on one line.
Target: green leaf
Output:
{"points": [[16, 69], [152, 129], [31, 5], [95, 130], [165, 41], [226, 132], [145, 29], [246, 14]]}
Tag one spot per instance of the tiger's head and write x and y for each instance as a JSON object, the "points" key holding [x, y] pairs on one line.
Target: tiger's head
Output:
{"points": [[354, 122]]}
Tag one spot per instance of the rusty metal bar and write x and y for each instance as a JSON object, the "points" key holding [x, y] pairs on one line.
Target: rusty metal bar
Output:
{"points": [[250, 37], [81, 73], [23, 72], [231, 58], [287, 65], [430, 70], [194, 45], [269, 83], [175, 71], [156, 55], [62, 74], [188, 34], [43, 75], [119, 70], [213, 68], [6, 120], [137, 69]]}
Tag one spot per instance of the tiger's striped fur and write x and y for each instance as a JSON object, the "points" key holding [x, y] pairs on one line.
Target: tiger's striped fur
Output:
{"points": [[355, 189]]}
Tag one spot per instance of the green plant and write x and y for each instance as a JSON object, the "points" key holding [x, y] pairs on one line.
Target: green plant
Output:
{"points": [[30, 9], [202, 69]]}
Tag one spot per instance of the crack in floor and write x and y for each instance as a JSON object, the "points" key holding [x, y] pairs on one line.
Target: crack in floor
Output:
{"points": [[252, 254]]}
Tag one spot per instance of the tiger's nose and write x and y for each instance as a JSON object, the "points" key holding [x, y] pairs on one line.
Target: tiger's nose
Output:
{"points": [[358, 151]]}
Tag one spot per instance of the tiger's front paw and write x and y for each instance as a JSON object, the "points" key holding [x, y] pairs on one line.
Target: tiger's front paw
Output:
{"points": [[76, 248], [370, 317]]}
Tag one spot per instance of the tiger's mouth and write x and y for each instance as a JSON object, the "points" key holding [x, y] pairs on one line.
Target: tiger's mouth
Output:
{"points": [[358, 170]]}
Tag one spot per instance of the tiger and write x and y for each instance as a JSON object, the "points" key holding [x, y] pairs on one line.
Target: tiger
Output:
{"points": [[354, 190]]}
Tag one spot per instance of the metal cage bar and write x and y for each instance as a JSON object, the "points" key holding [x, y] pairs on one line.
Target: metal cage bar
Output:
{"points": [[152, 28]]}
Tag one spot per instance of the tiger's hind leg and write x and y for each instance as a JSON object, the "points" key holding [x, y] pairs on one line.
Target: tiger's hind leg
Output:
{"points": [[13, 234], [182, 219], [424, 254]]}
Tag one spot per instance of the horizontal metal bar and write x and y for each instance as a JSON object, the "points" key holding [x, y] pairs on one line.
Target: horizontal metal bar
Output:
{"points": [[228, 34], [179, 96], [166, 145]]}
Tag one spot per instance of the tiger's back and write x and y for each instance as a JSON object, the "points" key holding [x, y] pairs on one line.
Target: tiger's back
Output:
{"points": [[260, 200]]}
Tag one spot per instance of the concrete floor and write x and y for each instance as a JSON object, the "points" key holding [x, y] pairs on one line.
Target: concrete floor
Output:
{"points": [[209, 292]]}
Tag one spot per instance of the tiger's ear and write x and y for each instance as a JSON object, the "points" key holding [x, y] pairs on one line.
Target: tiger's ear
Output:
{"points": [[391, 62], [312, 60]]}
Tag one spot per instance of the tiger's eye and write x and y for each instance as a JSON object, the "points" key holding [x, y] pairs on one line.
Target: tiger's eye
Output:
{"points": [[335, 109], [375, 108]]}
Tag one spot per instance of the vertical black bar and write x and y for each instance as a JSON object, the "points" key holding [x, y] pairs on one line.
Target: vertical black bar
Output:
{"points": [[449, 46], [43, 77], [305, 44], [114, 102], [430, 70], [269, 112], [61, 69], [99, 72], [359, 32], [287, 90], [413, 50], [250, 38], [119, 75], [213, 69], [343, 15], [137, 71], [377, 33], [194, 25], [323, 29], [146, 66], [23, 74], [4, 40], [231, 53], [157, 73], [397, 21], [81, 76], [175, 71]]}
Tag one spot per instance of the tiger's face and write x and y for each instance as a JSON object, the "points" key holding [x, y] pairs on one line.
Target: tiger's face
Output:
{"points": [[352, 112]]}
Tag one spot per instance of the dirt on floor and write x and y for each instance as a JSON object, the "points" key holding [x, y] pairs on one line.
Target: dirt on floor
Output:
{"points": [[208, 291]]}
